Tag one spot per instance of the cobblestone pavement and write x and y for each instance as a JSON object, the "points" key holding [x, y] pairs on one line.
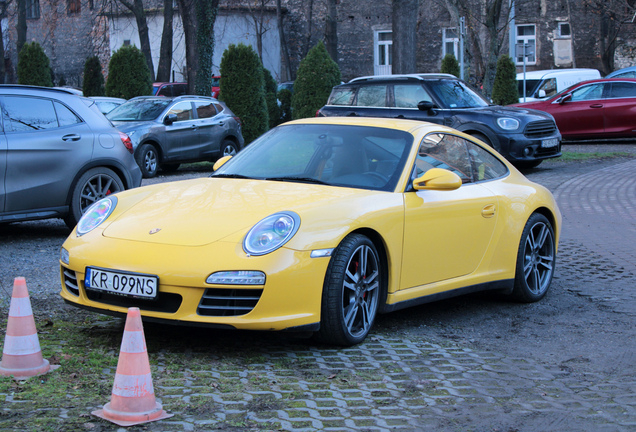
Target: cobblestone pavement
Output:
{"points": [[419, 373]]}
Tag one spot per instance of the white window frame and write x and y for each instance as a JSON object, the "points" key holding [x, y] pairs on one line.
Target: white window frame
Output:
{"points": [[529, 39], [560, 26], [386, 45], [447, 39]]}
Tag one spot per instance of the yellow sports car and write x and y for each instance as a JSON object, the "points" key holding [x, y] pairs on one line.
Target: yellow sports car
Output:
{"points": [[318, 226]]}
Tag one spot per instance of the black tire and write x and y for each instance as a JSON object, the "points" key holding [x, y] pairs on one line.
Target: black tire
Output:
{"points": [[528, 164], [228, 148], [351, 293], [148, 160], [170, 167], [536, 259], [93, 185]]}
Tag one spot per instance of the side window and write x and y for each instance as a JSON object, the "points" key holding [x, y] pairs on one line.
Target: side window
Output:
{"points": [[623, 90], [485, 165], [29, 114], [65, 116], [165, 91], [372, 96], [342, 96], [183, 110], [205, 109], [445, 151], [409, 95], [219, 107], [631, 74], [179, 89], [549, 86], [589, 92]]}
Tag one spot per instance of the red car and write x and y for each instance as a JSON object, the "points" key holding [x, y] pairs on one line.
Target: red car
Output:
{"points": [[590, 109], [216, 86]]}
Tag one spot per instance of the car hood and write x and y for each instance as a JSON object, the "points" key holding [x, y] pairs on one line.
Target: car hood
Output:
{"points": [[514, 111], [203, 211]]}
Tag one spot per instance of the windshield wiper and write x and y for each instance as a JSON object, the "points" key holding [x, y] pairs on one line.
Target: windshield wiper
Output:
{"points": [[237, 176], [299, 179]]}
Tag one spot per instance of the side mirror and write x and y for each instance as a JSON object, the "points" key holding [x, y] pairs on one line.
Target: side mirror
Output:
{"points": [[218, 164], [541, 94], [169, 119], [425, 105], [437, 179], [563, 99]]}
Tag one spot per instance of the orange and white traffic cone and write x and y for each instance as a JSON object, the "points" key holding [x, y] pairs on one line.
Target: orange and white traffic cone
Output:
{"points": [[21, 354], [133, 398]]}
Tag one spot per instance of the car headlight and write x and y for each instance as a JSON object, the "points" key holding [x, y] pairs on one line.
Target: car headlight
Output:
{"points": [[271, 233], [95, 215], [507, 123]]}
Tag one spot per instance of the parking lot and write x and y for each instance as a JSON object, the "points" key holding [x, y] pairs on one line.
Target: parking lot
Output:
{"points": [[474, 363]]}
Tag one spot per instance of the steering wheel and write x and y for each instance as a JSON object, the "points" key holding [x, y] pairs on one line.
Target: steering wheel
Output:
{"points": [[377, 175]]}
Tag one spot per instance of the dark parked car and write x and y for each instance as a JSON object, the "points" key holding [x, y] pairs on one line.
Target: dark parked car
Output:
{"points": [[524, 137], [169, 89], [58, 155], [602, 108], [166, 132]]}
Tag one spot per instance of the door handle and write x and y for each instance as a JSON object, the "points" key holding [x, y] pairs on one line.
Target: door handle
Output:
{"points": [[71, 137], [352, 114], [488, 211], [193, 127], [596, 106]]}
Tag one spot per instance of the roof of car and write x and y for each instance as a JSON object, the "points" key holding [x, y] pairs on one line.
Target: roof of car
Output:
{"points": [[58, 91], [539, 74], [182, 97], [419, 76], [620, 71]]}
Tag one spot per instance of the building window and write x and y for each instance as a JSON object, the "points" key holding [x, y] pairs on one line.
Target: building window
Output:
{"points": [[33, 9], [73, 6], [450, 42], [526, 36], [564, 30], [383, 49], [126, 42]]}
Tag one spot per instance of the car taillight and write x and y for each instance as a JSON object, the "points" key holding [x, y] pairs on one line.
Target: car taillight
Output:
{"points": [[125, 139], [318, 113]]}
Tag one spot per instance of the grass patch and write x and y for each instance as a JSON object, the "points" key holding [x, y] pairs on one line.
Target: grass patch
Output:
{"points": [[583, 156]]}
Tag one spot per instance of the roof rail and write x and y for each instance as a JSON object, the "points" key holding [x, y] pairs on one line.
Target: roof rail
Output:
{"points": [[418, 76]]}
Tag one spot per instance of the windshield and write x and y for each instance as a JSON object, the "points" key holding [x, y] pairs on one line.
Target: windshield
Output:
{"points": [[456, 94], [139, 110], [531, 85], [337, 155]]}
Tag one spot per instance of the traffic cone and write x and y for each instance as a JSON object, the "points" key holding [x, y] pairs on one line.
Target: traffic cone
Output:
{"points": [[133, 398], [21, 355]]}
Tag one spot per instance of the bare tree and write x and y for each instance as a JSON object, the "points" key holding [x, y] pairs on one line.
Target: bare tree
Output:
{"points": [[331, 28], [404, 36], [137, 8], [308, 33], [286, 73], [165, 52]]}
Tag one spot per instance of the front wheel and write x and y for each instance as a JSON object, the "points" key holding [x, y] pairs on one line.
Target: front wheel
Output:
{"points": [[93, 185], [351, 292], [228, 148], [536, 259], [148, 160]]}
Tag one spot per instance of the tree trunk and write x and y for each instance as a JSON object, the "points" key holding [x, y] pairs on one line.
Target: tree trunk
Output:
{"points": [[331, 30], [206, 12], [22, 24], [404, 36], [286, 70], [188, 18], [310, 14], [142, 27], [165, 53], [493, 13]]}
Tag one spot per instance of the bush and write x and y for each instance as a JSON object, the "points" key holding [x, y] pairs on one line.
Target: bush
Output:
{"points": [[285, 98], [273, 110], [33, 66], [128, 74], [93, 78], [505, 90], [450, 65], [243, 89], [316, 76]]}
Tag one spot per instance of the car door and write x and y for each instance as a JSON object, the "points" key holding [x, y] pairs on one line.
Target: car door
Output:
{"points": [[45, 141], [182, 136], [620, 109], [447, 233], [211, 126], [582, 114], [405, 99]]}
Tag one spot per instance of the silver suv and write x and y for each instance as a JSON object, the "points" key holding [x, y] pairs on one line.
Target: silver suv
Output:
{"points": [[58, 155], [166, 132]]}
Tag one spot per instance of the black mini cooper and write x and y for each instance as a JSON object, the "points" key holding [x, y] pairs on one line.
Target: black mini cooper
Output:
{"points": [[523, 136]]}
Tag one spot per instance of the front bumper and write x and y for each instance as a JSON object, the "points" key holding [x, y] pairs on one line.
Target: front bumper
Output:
{"points": [[519, 148]]}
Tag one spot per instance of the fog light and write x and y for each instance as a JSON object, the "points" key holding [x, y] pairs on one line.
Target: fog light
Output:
{"points": [[528, 151], [245, 277], [65, 257]]}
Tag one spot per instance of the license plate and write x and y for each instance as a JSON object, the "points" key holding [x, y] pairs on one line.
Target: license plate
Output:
{"points": [[129, 284], [550, 143]]}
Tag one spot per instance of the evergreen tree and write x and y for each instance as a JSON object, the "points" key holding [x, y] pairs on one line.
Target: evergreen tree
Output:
{"points": [[273, 109], [33, 66], [243, 89], [128, 74], [450, 65], [93, 78], [316, 76], [505, 90]]}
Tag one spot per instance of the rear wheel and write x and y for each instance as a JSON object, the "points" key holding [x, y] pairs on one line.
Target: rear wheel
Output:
{"points": [[93, 185], [351, 292], [148, 160], [536, 259]]}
